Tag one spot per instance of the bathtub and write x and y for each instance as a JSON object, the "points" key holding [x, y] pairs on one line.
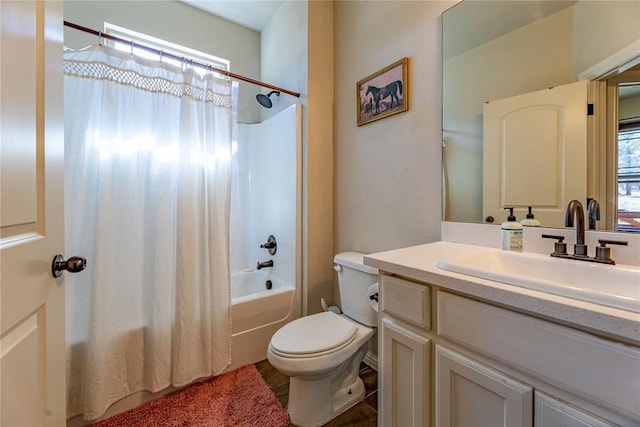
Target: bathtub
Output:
{"points": [[256, 313]]}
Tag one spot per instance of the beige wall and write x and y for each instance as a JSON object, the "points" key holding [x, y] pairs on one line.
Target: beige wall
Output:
{"points": [[387, 173], [320, 156], [284, 52], [603, 28], [177, 23], [297, 53]]}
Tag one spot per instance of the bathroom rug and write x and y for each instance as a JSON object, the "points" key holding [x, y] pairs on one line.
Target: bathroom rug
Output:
{"points": [[240, 398]]}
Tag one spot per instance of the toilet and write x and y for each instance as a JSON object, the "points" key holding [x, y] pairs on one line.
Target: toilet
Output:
{"points": [[322, 352]]}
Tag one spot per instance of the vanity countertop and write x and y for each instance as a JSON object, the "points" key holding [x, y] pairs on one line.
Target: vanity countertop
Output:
{"points": [[420, 263]]}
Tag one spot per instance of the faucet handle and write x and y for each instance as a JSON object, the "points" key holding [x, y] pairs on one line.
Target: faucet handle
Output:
{"points": [[560, 247], [271, 245], [604, 242], [603, 253]]}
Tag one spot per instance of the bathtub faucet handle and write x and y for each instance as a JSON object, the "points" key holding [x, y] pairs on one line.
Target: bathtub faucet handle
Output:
{"points": [[271, 245]]}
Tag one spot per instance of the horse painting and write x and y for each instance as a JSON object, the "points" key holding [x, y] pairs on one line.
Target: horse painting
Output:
{"points": [[393, 90]]}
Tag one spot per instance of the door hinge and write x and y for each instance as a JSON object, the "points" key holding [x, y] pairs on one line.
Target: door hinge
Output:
{"points": [[590, 109]]}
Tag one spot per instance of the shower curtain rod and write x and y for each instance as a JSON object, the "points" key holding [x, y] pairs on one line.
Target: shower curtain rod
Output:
{"points": [[179, 58]]}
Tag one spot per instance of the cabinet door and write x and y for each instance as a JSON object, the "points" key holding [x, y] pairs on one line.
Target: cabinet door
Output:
{"points": [[550, 412], [405, 377], [474, 395]]}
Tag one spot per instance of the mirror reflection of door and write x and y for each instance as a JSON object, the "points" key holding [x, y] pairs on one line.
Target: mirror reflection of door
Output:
{"points": [[628, 175], [535, 152]]}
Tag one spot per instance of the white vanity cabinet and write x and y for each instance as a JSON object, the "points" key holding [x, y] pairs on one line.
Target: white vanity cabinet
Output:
{"points": [[450, 359], [406, 350]]}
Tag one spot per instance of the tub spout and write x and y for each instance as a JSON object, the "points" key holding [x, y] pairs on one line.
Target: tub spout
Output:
{"points": [[264, 264]]}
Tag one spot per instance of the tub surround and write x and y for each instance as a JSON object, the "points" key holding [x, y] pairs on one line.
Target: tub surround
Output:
{"points": [[266, 202], [257, 312]]}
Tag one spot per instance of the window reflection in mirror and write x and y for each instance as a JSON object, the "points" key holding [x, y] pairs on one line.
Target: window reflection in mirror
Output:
{"points": [[629, 156]]}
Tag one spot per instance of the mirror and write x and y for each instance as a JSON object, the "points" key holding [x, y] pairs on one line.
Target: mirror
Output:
{"points": [[495, 49]]}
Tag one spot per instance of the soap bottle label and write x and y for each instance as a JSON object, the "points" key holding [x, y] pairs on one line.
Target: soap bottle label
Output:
{"points": [[512, 240]]}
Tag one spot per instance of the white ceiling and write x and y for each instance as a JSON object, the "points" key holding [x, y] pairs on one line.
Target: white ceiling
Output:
{"points": [[253, 14]]}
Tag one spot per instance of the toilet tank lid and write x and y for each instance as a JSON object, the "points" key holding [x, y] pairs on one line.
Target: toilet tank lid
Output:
{"points": [[354, 260]]}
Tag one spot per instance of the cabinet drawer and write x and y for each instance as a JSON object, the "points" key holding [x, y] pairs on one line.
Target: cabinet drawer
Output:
{"points": [[574, 360], [406, 300]]}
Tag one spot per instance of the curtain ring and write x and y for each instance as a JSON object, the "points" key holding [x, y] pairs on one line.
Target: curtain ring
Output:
{"points": [[161, 54], [99, 38], [131, 47]]}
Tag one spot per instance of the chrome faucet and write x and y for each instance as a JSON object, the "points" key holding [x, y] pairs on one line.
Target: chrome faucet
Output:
{"points": [[593, 213], [264, 264], [575, 210]]}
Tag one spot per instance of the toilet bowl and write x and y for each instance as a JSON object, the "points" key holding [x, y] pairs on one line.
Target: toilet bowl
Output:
{"points": [[323, 366], [321, 353]]}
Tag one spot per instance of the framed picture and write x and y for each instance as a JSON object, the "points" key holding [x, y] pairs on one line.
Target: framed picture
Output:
{"points": [[383, 93]]}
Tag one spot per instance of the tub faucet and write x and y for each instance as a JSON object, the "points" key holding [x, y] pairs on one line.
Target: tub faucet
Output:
{"points": [[575, 210], [593, 213], [264, 264]]}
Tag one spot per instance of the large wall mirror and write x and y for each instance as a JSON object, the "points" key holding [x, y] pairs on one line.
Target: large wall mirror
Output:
{"points": [[541, 105]]}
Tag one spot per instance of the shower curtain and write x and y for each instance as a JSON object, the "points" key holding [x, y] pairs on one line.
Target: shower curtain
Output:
{"points": [[147, 171]]}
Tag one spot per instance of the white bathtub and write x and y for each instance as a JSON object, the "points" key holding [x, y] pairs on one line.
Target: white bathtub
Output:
{"points": [[256, 313]]}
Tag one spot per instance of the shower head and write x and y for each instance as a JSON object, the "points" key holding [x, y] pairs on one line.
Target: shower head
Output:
{"points": [[265, 100]]}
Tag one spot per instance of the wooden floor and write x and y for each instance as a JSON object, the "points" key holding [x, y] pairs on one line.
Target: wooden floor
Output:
{"points": [[364, 414]]}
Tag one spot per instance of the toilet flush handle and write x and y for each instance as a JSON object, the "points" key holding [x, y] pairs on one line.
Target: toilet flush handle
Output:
{"points": [[337, 267]]}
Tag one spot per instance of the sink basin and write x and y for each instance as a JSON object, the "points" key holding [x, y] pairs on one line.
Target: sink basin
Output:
{"points": [[611, 285]]}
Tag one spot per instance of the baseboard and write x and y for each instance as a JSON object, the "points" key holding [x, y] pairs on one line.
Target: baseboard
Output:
{"points": [[371, 359]]}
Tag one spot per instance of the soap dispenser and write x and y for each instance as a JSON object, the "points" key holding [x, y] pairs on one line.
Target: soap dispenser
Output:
{"points": [[530, 221], [511, 233]]}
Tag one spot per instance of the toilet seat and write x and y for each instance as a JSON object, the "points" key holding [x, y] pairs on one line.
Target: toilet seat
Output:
{"points": [[313, 336]]}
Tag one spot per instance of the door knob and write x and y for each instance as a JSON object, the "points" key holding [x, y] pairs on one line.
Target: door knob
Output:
{"points": [[75, 264]]}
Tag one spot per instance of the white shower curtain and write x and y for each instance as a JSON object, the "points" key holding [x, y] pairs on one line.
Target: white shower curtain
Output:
{"points": [[147, 152]]}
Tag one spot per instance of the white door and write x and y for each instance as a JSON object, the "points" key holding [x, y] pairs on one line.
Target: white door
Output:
{"points": [[32, 339], [404, 392], [535, 153], [469, 394]]}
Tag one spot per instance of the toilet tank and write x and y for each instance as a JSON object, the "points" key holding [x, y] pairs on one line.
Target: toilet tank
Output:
{"points": [[354, 280]]}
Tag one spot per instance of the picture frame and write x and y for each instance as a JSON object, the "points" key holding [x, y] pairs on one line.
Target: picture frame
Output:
{"points": [[383, 93]]}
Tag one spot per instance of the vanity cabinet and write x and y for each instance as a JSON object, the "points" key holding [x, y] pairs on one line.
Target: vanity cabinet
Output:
{"points": [[448, 359], [404, 391]]}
